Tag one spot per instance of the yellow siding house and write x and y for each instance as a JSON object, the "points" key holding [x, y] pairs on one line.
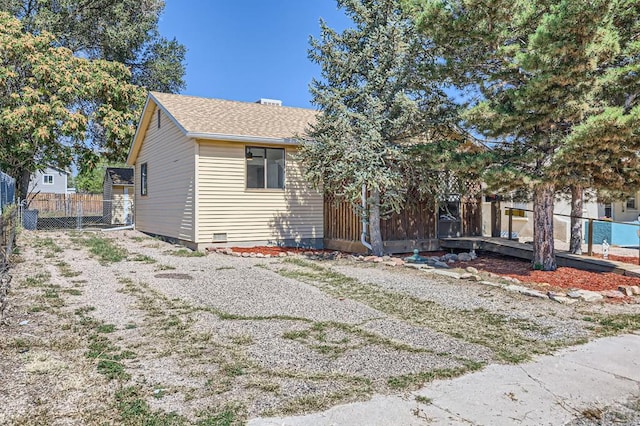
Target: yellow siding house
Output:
{"points": [[216, 172]]}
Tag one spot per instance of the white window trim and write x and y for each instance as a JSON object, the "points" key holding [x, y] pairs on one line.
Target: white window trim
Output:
{"points": [[265, 189], [635, 203], [44, 179]]}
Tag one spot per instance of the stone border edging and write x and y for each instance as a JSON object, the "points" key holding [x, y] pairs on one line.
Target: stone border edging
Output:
{"points": [[439, 266]]}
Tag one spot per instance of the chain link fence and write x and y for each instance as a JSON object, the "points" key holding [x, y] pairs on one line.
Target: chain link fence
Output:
{"points": [[75, 211], [8, 224], [7, 190]]}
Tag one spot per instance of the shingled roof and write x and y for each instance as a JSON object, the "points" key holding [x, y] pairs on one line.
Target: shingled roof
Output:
{"points": [[202, 116], [120, 175], [218, 119]]}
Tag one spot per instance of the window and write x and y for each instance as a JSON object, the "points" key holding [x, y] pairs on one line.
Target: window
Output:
{"points": [[265, 168], [159, 119], [143, 179], [608, 208], [631, 203], [47, 179]]}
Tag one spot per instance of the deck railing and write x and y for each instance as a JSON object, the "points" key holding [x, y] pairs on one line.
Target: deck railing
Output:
{"points": [[513, 211]]}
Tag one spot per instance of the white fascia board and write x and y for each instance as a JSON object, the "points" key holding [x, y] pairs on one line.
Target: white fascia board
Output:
{"points": [[243, 138]]}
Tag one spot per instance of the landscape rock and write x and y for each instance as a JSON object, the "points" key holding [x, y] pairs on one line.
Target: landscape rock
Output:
{"points": [[450, 256], [516, 288], [449, 274], [471, 277], [471, 270], [370, 258], [492, 284], [627, 290], [464, 257], [612, 294], [282, 254], [417, 266], [441, 265], [534, 293], [561, 298], [586, 295]]}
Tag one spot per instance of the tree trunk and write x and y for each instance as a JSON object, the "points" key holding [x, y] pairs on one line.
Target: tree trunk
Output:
{"points": [[575, 244], [375, 234], [543, 246], [23, 179]]}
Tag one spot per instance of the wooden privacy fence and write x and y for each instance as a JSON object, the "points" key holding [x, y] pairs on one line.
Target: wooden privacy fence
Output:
{"points": [[415, 226], [62, 205]]}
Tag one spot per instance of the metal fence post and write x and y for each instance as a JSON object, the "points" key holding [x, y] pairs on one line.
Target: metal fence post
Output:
{"points": [[510, 223], [590, 238], [79, 216]]}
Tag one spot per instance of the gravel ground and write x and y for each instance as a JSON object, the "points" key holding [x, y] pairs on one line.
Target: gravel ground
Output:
{"points": [[122, 328]]}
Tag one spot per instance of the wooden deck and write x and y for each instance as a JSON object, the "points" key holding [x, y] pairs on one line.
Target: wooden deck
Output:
{"points": [[525, 251]]}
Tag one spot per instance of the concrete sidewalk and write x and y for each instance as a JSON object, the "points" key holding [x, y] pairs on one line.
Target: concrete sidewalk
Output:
{"points": [[551, 390]]}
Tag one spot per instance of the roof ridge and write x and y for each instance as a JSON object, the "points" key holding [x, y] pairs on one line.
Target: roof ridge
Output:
{"points": [[161, 94]]}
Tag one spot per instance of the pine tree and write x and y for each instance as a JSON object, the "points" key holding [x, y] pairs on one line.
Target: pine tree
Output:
{"points": [[534, 66], [372, 106]]}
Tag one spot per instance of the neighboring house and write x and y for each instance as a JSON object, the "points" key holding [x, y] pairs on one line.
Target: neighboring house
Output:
{"points": [[622, 211], [49, 181], [522, 225], [216, 171], [118, 195]]}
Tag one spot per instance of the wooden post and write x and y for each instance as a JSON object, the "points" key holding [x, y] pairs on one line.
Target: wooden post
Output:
{"points": [[496, 226], [510, 222], [590, 238]]}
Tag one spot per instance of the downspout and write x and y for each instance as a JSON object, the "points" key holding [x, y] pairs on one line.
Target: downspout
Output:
{"points": [[365, 221]]}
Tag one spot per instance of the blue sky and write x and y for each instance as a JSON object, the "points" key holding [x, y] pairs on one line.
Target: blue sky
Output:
{"points": [[249, 49]]}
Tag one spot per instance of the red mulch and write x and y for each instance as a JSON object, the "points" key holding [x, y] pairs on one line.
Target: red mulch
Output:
{"points": [[561, 279], [274, 251], [626, 259]]}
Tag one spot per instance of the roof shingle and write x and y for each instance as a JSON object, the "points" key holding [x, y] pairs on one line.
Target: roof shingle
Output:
{"points": [[120, 175], [217, 116]]}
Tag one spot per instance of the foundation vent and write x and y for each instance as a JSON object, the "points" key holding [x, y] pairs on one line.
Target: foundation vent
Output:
{"points": [[220, 238]]}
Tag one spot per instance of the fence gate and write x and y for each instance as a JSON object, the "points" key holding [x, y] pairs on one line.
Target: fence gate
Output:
{"points": [[75, 211]]}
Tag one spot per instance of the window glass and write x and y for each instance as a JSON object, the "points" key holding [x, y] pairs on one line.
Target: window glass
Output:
{"points": [[265, 167], [275, 168], [255, 167], [47, 179], [631, 203], [608, 208], [143, 179]]}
